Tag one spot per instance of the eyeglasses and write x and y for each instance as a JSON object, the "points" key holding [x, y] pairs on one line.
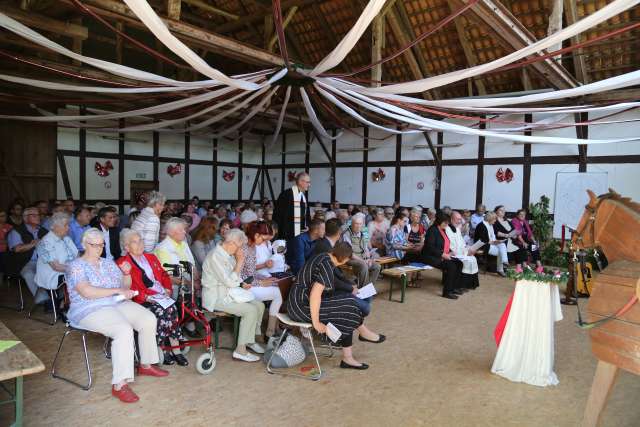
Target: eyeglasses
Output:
{"points": [[96, 245]]}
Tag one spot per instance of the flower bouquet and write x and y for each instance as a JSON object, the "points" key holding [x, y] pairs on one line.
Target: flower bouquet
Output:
{"points": [[546, 275]]}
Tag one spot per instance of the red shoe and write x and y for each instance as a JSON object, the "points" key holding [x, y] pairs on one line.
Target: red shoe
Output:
{"points": [[125, 394], [152, 371]]}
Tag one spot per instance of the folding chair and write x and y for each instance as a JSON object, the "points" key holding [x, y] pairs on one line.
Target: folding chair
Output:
{"points": [[19, 280]]}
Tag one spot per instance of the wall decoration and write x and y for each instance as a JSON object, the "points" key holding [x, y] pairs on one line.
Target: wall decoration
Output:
{"points": [[228, 176], [420, 185], [504, 175], [103, 171], [174, 170], [291, 176], [378, 175]]}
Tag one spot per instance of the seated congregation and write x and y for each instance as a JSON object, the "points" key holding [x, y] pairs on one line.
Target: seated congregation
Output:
{"points": [[112, 274]]}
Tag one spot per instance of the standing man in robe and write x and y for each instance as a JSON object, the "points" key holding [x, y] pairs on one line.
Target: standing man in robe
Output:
{"points": [[292, 212]]}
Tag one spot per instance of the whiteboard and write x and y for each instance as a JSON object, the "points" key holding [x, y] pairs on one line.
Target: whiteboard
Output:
{"points": [[571, 196]]}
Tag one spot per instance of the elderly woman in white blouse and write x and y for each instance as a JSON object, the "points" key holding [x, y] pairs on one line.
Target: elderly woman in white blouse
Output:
{"points": [[223, 290], [55, 251]]}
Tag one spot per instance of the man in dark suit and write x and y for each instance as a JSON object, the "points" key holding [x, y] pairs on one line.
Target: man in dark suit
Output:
{"points": [[106, 221], [292, 212]]}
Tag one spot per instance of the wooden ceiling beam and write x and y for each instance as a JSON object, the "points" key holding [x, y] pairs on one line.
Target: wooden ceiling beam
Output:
{"points": [[290, 13], [469, 53], [259, 17], [209, 8], [35, 20], [579, 63], [189, 33], [512, 34], [402, 39]]}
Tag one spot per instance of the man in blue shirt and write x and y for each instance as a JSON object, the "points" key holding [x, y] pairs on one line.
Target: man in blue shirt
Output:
{"points": [[303, 245], [78, 225], [22, 258]]}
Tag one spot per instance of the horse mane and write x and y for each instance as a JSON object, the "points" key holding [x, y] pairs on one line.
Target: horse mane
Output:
{"points": [[626, 201]]}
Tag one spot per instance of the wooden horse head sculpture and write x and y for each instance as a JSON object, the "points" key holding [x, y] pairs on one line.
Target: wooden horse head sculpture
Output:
{"points": [[610, 223]]}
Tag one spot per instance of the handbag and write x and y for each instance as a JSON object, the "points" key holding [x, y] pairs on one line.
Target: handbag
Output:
{"points": [[290, 353], [240, 295]]}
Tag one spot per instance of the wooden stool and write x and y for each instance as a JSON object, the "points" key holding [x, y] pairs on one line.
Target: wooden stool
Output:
{"points": [[217, 328]]}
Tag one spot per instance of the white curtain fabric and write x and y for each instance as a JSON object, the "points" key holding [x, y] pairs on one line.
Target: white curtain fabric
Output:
{"points": [[526, 352], [601, 15], [149, 18], [255, 110], [43, 84], [283, 110], [117, 69], [314, 118], [336, 56], [624, 80], [158, 109], [424, 123]]}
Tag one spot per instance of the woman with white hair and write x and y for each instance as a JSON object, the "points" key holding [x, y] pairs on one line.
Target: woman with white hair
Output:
{"points": [[55, 251], [154, 288], [175, 248], [224, 290], [148, 222], [100, 294]]}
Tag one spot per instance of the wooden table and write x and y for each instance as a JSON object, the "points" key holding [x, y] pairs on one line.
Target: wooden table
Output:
{"points": [[16, 362]]}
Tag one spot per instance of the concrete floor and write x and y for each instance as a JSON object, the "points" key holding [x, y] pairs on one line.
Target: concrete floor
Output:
{"points": [[434, 369]]}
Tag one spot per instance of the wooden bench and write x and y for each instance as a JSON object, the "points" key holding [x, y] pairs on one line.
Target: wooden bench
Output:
{"points": [[382, 262], [401, 274]]}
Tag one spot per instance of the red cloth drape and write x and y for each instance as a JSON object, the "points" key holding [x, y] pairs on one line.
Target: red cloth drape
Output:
{"points": [[502, 323]]}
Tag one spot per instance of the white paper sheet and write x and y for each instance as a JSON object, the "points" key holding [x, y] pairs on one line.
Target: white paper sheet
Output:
{"points": [[366, 291]]}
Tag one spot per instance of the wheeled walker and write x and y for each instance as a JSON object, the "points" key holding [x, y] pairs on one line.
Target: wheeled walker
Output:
{"points": [[190, 312]]}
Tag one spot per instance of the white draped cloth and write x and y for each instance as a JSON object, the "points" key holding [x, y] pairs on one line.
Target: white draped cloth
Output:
{"points": [[526, 351]]}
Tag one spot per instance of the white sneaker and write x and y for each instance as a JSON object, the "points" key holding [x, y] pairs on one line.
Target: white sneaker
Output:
{"points": [[256, 348], [246, 357]]}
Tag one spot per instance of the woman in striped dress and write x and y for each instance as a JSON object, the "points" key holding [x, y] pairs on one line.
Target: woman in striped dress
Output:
{"points": [[312, 300]]}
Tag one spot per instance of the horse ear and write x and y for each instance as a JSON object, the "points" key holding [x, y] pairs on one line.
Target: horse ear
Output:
{"points": [[592, 197]]}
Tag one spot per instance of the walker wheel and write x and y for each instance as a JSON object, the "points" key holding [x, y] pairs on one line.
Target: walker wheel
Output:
{"points": [[206, 363]]}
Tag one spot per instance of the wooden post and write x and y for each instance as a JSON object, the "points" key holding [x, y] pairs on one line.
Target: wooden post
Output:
{"points": [[603, 381], [377, 42], [119, 44], [173, 9]]}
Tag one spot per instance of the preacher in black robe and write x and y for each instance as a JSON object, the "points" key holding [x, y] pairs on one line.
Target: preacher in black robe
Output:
{"points": [[283, 213]]}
